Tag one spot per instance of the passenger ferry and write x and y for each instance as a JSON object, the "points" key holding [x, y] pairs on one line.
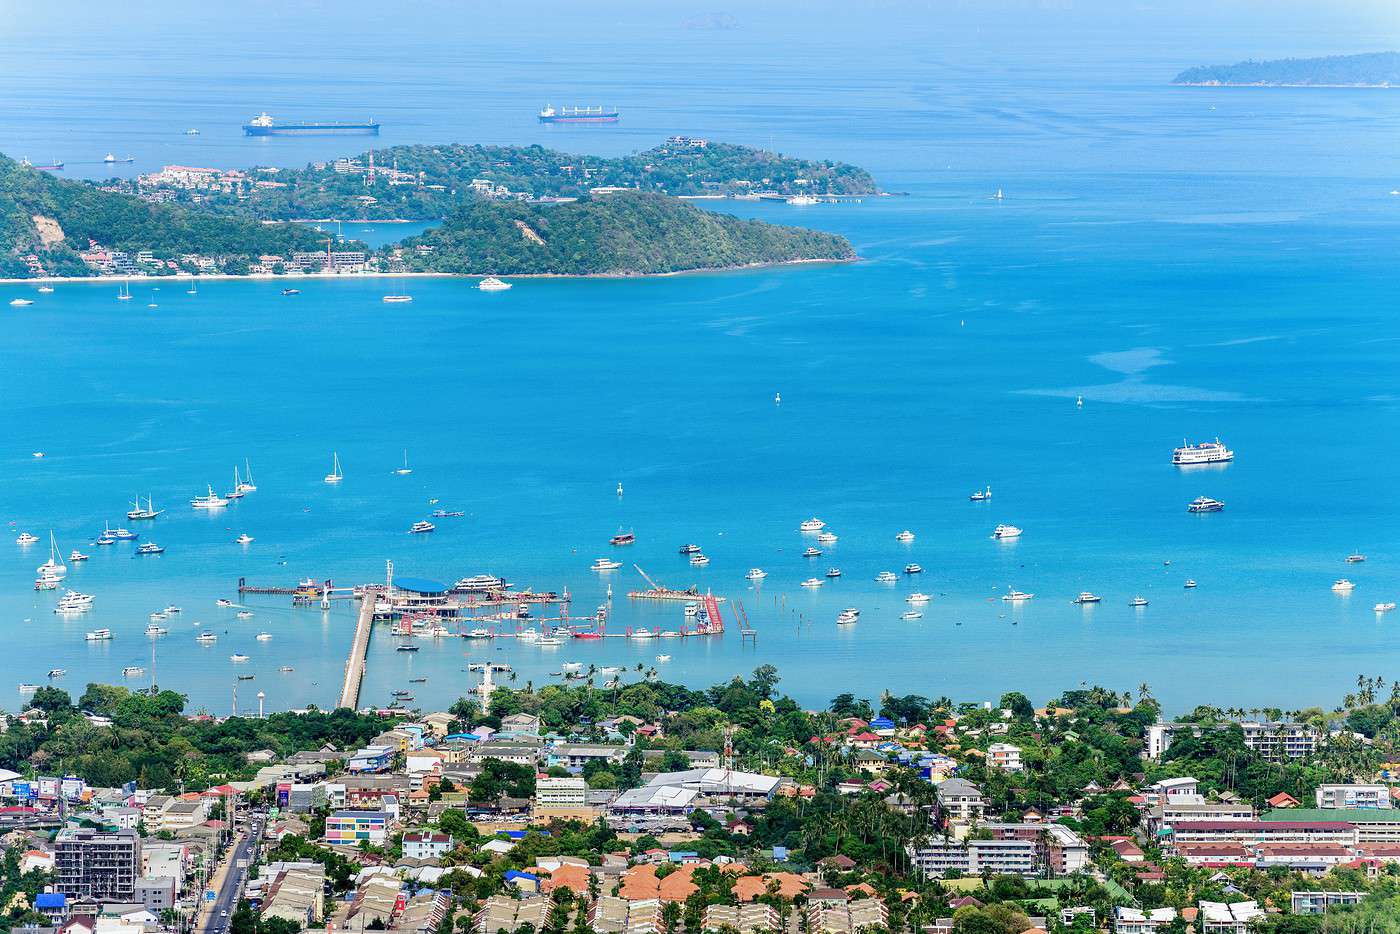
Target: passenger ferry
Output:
{"points": [[756, 574], [1207, 452], [1015, 596], [905, 536], [480, 583], [99, 635], [1006, 531], [811, 525], [1138, 601], [1205, 504], [886, 577], [623, 538], [421, 526], [1087, 597], [605, 564], [210, 500]]}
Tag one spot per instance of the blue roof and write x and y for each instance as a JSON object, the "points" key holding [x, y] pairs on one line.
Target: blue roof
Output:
{"points": [[471, 736], [517, 874], [882, 723], [50, 900], [422, 585]]}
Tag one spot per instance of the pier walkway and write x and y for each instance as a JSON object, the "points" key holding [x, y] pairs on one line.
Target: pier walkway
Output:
{"points": [[359, 647]]}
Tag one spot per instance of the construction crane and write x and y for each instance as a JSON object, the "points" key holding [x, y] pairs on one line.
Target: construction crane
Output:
{"points": [[654, 584]]}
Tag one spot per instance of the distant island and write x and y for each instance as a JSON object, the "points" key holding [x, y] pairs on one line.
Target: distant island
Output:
{"points": [[503, 211], [1367, 70]]}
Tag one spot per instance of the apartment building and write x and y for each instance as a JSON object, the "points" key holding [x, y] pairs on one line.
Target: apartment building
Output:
{"points": [[97, 865]]}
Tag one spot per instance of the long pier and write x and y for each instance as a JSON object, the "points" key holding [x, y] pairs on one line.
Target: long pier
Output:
{"points": [[359, 648]]}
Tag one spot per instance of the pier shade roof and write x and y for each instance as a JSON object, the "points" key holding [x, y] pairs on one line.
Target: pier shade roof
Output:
{"points": [[423, 585]]}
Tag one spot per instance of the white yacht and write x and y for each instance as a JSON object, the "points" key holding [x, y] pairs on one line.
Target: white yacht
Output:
{"points": [[847, 618], [206, 637], [405, 470], [264, 637], [73, 602], [886, 577], [1015, 596], [1204, 504], [911, 614], [826, 538], [99, 635], [223, 602], [26, 539], [133, 671], [811, 525], [1138, 601], [247, 485], [421, 526], [1207, 452], [1190, 584], [44, 289], [571, 666], [905, 536], [1384, 607], [245, 614], [75, 556], [1087, 597], [492, 284], [210, 500], [52, 567], [47, 582], [833, 572], [699, 561], [663, 658], [237, 657], [813, 582], [812, 552], [528, 635], [640, 633], [917, 597], [756, 574], [913, 569], [21, 302], [549, 641], [605, 564], [335, 476], [57, 672], [1006, 531], [155, 630], [1343, 586], [244, 539], [1355, 558]]}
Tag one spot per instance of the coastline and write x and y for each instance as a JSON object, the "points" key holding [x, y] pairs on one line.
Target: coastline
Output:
{"points": [[302, 276]]}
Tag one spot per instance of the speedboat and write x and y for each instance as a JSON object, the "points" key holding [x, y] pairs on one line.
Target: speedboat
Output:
{"points": [[406, 647], [1138, 601], [421, 526], [492, 284], [1205, 504], [150, 548], [911, 614], [1355, 558], [57, 672], [690, 549], [605, 564], [21, 302], [133, 671], [913, 569], [154, 630], [286, 669], [699, 561], [905, 536], [291, 291], [26, 539], [811, 525], [206, 637], [397, 299], [623, 538], [812, 552], [979, 496], [886, 577], [813, 582], [1343, 586], [73, 602], [237, 657], [1006, 531], [222, 602], [264, 637], [833, 572], [99, 635], [1189, 584], [917, 597], [75, 556], [826, 538], [1015, 596], [756, 574], [244, 539], [211, 500], [245, 614], [1087, 597]]}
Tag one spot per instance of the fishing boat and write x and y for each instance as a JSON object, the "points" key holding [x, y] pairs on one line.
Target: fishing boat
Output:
{"points": [[1087, 597], [605, 564], [756, 574], [335, 476], [492, 284], [98, 635], [405, 470], [421, 526], [52, 567], [26, 538], [886, 577], [244, 539], [811, 525], [905, 536], [210, 500], [150, 548], [1015, 596], [148, 511], [623, 538], [1004, 532], [75, 556]]}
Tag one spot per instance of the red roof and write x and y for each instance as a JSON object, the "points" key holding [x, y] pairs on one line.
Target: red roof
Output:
{"points": [[1256, 825]]}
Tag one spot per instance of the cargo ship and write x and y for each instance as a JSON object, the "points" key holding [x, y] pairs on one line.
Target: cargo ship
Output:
{"points": [[264, 125], [579, 115]]}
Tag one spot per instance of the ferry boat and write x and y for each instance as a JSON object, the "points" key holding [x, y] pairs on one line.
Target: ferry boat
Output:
{"points": [[605, 564], [480, 583], [911, 614], [813, 582], [913, 569], [397, 299], [756, 574], [492, 284], [150, 548], [905, 536], [699, 561], [886, 577], [1343, 586], [623, 538], [811, 525], [981, 495], [57, 672], [833, 572], [1190, 584], [1205, 504], [421, 526], [1206, 452], [1087, 597], [264, 125], [1015, 596], [73, 602], [812, 552], [133, 671], [75, 556], [148, 511], [579, 115], [917, 597], [1006, 531], [238, 657], [98, 635], [826, 538], [1355, 558], [210, 500], [26, 539], [1138, 601], [154, 630], [335, 476], [244, 539]]}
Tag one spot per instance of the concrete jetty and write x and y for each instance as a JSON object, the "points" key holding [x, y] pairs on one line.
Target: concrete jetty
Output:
{"points": [[359, 648]]}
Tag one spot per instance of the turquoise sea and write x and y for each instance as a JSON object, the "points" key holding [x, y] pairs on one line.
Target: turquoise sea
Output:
{"points": [[1191, 262]]}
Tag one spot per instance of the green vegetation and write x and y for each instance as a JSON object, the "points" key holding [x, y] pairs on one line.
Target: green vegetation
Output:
{"points": [[622, 233], [33, 202], [17, 892], [1370, 69]]}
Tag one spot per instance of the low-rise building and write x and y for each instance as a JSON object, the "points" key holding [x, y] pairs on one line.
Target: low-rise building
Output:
{"points": [[1137, 921], [1228, 917], [557, 793], [1317, 903], [1004, 756], [426, 844], [348, 828], [959, 799], [1353, 796]]}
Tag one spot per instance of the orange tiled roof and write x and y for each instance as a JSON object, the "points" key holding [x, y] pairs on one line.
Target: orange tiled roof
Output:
{"points": [[677, 887]]}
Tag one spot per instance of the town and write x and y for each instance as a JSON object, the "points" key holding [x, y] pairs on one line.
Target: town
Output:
{"points": [[657, 808]]}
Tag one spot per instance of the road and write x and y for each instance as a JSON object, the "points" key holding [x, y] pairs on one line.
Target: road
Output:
{"points": [[230, 889]]}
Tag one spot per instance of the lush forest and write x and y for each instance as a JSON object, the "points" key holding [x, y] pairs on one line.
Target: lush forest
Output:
{"points": [[434, 180], [85, 212], [1378, 69], [623, 233]]}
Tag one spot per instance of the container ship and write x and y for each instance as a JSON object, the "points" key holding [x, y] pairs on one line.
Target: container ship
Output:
{"points": [[579, 115], [264, 125]]}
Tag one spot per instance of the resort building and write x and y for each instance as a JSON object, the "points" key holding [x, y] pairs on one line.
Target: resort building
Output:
{"points": [[1317, 903], [1353, 796], [936, 857], [1274, 741], [1137, 921]]}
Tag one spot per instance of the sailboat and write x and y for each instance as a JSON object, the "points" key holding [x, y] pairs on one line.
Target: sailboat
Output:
{"points": [[52, 568], [193, 289], [149, 511], [405, 469], [124, 291], [247, 486], [335, 476], [998, 196], [237, 491]]}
